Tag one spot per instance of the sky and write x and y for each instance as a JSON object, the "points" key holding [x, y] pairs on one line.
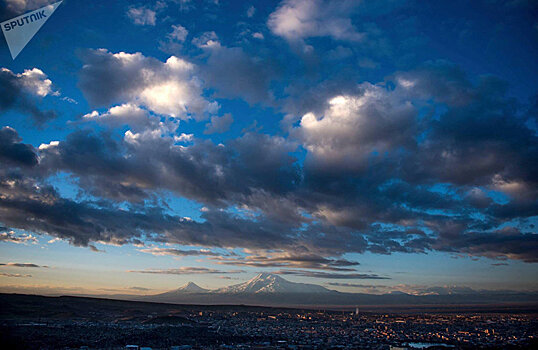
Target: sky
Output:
{"points": [[363, 146]]}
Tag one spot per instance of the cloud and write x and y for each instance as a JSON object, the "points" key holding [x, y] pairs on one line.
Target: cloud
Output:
{"points": [[11, 237], [13, 151], [412, 289], [168, 88], [306, 261], [434, 290], [219, 125], [12, 264], [178, 33], [355, 128], [331, 275], [301, 19], [22, 91], [174, 39], [206, 40], [184, 137], [235, 73], [251, 11], [42, 210], [508, 242], [355, 285], [35, 81], [203, 171], [94, 249], [177, 252], [125, 114], [413, 164], [13, 275], [226, 277], [186, 271], [140, 288], [464, 146], [141, 16]]}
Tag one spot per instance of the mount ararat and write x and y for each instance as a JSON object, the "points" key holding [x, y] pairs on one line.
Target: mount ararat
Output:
{"points": [[272, 290]]}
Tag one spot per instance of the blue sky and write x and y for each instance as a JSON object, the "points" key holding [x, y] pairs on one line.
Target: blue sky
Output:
{"points": [[390, 145]]}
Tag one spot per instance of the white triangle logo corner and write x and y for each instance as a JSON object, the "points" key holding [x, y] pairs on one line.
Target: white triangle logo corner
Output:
{"points": [[20, 30]]}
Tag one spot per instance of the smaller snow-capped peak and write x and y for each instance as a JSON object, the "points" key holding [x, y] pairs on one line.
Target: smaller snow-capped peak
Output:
{"points": [[191, 287]]}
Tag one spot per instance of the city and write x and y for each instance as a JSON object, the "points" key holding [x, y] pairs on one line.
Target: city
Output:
{"points": [[76, 323]]}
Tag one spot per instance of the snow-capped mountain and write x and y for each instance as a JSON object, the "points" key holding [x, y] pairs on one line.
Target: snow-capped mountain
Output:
{"points": [[264, 289], [188, 288], [269, 283], [191, 287]]}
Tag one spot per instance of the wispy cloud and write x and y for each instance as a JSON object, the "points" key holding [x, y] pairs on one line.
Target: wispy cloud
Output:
{"points": [[355, 285], [13, 275], [14, 264], [142, 16], [272, 259], [331, 275], [177, 252], [186, 271]]}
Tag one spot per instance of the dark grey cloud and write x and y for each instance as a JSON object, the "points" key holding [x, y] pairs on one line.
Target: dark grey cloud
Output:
{"points": [[44, 211], [310, 261], [40, 209], [122, 79], [13, 151], [483, 136], [204, 171], [21, 93], [498, 244]]}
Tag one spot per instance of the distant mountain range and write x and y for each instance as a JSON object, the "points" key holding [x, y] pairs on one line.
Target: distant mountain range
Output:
{"points": [[272, 290]]}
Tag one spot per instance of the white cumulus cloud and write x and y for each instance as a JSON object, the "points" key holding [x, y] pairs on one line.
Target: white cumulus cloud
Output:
{"points": [[301, 19]]}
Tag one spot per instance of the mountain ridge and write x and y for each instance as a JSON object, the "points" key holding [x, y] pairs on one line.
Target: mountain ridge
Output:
{"points": [[272, 290]]}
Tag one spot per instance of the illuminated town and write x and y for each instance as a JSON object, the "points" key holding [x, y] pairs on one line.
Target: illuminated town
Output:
{"points": [[98, 324]]}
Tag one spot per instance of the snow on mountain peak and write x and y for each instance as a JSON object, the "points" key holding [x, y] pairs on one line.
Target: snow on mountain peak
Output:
{"points": [[191, 287], [269, 283]]}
